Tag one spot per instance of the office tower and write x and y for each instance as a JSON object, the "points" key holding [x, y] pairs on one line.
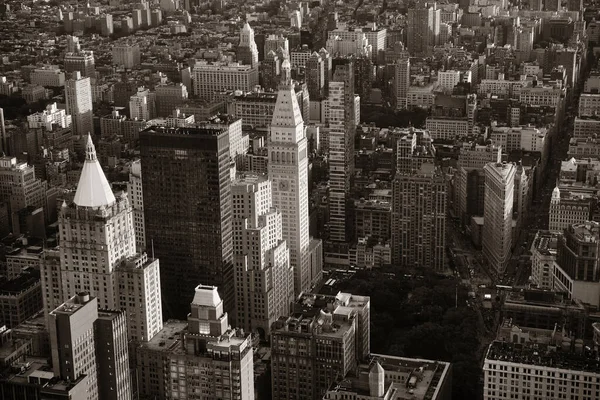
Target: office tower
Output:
{"points": [[19, 187], [102, 222], [126, 55], [541, 363], [276, 42], [3, 138], [78, 60], [363, 78], [136, 199], [78, 96], [287, 169], [328, 68], [326, 325], [496, 237], [401, 82], [191, 235], [72, 340], [576, 270], [315, 76], [543, 255], [169, 97], [140, 297], [247, 52], [341, 126], [264, 279], [423, 29], [142, 105], [112, 355], [209, 79], [419, 217], [567, 209], [270, 71], [238, 142], [212, 359], [82, 61], [470, 178]]}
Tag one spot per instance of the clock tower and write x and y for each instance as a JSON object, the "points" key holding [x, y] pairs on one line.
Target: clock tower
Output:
{"points": [[288, 172]]}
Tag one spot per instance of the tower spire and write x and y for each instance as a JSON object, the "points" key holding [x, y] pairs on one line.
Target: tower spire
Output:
{"points": [[90, 149]]}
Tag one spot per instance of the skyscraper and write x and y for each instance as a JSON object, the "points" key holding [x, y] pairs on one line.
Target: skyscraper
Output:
{"points": [[72, 339], [203, 358], [419, 218], [78, 96], [247, 52], [91, 343], [315, 76], [191, 234], [496, 236], [79, 60], [341, 127], [142, 105], [264, 279], [136, 198], [287, 170], [322, 341], [423, 29], [95, 217], [401, 82]]}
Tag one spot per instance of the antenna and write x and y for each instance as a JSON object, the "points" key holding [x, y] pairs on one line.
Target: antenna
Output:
{"points": [[152, 242], [456, 297]]}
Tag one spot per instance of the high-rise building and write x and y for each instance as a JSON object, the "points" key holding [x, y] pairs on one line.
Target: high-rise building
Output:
{"points": [[470, 180], [264, 279], [97, 217], [3, 138], [238, 142], [19, 187], [315, 76], [50, 116], [576, 270], [336, 325], [270, 71], [276, 42], [496, 237], [79, 60], [126, 55], [78, 96], [191, 235], [91, 343], [401, 82], [567, 209], [419, 217], [543, 256], [341, 128], [139, 296], [142, 105], [247, 52], [540, 363], [169, 97], [287, 169], [210, 79], [72, 339], [203, 358], [112, 356], [423, 29], [136, 198]]}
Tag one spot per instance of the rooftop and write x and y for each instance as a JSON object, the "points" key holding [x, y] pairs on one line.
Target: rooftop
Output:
{"points": [[546, 242], [545, 355]]}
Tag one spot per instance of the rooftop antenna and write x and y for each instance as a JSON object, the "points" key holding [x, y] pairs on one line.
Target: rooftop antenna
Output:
{"points": [[152, 243]]}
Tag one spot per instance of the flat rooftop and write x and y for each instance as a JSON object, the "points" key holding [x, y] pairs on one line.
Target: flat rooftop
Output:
{"points": [[546, 242], [544, 355]]}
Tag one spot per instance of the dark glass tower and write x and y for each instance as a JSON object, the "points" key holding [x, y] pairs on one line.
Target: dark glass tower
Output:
{"points": [[187, 211]]}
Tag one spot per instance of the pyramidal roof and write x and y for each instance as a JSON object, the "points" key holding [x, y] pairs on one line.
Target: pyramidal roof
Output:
{"points": [[206, 296], [93, 189], [287, 111]]}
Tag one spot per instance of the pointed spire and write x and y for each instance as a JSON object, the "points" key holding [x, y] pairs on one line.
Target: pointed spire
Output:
{"points": [[90, 149], [93, 189], [286, 72]]}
